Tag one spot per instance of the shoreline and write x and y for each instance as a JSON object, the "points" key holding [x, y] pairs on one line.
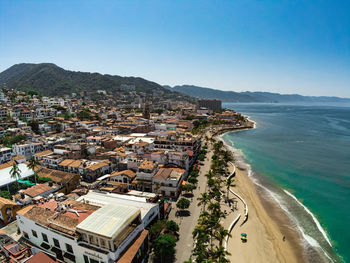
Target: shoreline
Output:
{"points": [[274, 213], [311, 252], [267, 225]]}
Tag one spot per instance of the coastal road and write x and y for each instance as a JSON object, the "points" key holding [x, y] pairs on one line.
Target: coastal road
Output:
{"points": [[187, 224]]}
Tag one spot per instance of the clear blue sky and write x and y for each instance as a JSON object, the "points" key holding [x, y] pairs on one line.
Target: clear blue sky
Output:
{"points": [[279, 46]]}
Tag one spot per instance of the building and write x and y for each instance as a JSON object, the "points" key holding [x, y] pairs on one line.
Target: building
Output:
{"points": [[211, 104], [8, 210], [167, 182], [5, 154], [27, 150], [126, 176], [67, 181], [99, 234], [144, 175], [5, 176], [35, 193], [95, 228]]}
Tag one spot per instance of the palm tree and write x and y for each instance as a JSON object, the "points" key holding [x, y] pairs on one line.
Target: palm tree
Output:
{"points": [[203, 199], [32, 164], [15, 172], [229, 183], [220, 234]]}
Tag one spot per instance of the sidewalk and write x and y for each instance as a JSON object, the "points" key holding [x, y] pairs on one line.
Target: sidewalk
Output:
{"points": [[187, 224]]}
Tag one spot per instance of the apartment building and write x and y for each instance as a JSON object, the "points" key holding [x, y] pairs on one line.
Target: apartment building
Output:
{"points": [[27, 149], [5, 154]]}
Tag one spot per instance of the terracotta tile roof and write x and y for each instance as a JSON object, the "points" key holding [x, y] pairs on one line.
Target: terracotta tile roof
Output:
{"points": [[129, 255], [165, 173], [149, 165], [4, 201], [98, 165], [190, 153], [18, 157], [6, 165], [40, 258], [70, 163], [37, 190], [39, 154], [56, 176], [128, 173]]}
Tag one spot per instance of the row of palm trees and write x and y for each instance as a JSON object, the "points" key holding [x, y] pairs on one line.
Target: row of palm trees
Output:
{"points": [[15, 172], [209, 234]]}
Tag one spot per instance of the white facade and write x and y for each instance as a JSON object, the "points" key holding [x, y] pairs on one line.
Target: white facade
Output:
{"points": [[27, 150], [5, 154]]}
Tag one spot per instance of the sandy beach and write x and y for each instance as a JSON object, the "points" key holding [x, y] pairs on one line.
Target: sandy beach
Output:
{"points": [[270, 233], [265, 233]]}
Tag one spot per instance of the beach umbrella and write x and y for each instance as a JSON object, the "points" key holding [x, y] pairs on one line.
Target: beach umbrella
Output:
{"points": [[243, 234]]}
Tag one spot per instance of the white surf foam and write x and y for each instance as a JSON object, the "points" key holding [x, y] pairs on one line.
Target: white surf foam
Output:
{"points": [[240, 162], [309, 240], [313, 217]]}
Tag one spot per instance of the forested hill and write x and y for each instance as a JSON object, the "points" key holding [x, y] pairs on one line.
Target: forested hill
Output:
{"points": [[263, 97], [49, 79]]}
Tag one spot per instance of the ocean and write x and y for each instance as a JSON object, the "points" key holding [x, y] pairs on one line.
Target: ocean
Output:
{"points": [[300, 154]]}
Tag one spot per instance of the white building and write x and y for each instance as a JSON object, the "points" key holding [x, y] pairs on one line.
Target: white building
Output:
{"points": [[5, 154], [97, 228], [27, 150], [149, 211], [5, 176]]}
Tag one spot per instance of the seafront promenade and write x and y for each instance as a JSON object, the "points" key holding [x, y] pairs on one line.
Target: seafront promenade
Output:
{"points": [[187, 224]]}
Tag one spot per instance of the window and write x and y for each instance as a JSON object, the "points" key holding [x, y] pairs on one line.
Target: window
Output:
{"points": [[86, 259], [34, 233], [45, 237], [69, 248], [56, 242], [25, 234], [93, 260]]}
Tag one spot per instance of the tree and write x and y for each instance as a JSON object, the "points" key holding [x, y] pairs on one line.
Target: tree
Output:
{"points": [[164, 247], [32, 164], [192, 180], [188, 188], [15, 172], [204, 199], [172, 226], [157, 228], [34, 124], [229, 183], [201, 157], [183, 203]]}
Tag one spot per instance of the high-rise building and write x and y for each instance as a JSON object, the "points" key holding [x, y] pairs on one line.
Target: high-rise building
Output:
{"points": [[146, 111], [211, 104]]}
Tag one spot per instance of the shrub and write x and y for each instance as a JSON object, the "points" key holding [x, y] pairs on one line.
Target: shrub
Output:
{"points": [[44, 179], [6, 194]]}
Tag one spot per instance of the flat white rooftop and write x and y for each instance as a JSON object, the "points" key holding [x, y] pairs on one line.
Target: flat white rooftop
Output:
{"points": [[5, 176], [109, 221], [102, 199]]}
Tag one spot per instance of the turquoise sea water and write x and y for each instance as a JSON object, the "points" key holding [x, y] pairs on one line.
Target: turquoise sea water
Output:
{"points": [[306, 151]]}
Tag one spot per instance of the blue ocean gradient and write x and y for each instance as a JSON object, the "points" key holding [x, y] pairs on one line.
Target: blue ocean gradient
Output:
{"points": [[305, 150]]}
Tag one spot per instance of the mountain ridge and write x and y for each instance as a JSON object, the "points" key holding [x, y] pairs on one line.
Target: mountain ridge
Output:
{"points": [[50, 79], [248, 96]]}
